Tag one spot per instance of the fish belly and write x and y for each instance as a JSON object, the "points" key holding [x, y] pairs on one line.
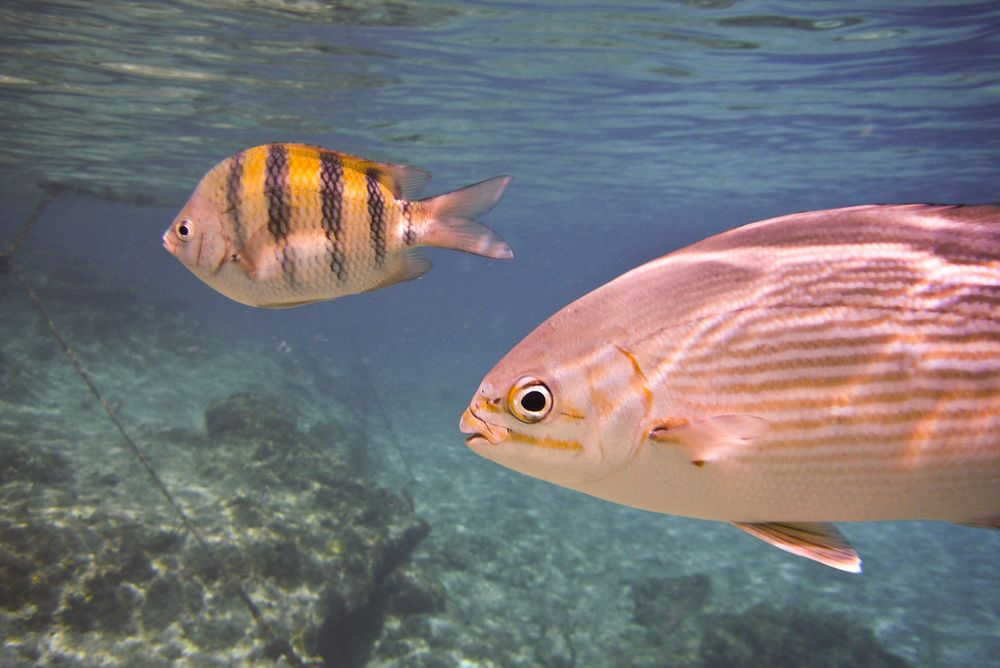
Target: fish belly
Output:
{"points": [[872, 413]]}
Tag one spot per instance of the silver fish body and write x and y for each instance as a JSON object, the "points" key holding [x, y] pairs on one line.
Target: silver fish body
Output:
{"points": [[829, 366]]}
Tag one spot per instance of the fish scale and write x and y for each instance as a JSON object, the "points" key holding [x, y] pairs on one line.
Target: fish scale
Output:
{"points": [[839, 365], [331, 192], [376, 215], [281, 225]]}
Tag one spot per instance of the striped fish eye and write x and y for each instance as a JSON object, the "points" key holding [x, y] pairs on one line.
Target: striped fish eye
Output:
{"points": [[529, 400], [184, 229]]}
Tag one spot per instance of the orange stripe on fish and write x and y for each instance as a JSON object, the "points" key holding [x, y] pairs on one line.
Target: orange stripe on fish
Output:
{"points": [[544, 442], [643, 381], [254, 170]]}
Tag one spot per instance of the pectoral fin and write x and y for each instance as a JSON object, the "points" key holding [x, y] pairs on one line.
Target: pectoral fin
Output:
{"points": [[818, 541], [709, 439], [265, 260]]}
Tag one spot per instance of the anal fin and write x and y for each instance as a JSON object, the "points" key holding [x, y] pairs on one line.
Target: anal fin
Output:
{"points": [[405, 266], [282, 305], [818, 541]]}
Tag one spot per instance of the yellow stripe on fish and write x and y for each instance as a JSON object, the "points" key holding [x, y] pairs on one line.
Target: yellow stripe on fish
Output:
{"points": [[281, 225], [838, 365]]}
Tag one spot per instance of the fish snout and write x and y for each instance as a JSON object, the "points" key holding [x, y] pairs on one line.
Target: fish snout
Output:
{"points": [[481, 432], [169, 243]]}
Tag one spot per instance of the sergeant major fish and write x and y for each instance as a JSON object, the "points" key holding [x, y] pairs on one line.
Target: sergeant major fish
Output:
{"points": [[281, 225], [829, 366]]}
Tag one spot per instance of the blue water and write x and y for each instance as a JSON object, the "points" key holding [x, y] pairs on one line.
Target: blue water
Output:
{"points": [[631, 129]]}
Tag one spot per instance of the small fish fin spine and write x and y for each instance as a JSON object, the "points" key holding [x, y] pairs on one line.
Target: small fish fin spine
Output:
{"points": [[818, 541], [449, 220]]}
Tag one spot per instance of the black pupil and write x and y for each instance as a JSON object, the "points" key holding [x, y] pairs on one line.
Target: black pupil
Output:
{"points": [[533, 401], [183, 230]]}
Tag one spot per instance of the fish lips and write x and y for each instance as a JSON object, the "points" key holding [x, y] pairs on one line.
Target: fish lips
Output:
{"points": [[482, 432], [169, 243]]}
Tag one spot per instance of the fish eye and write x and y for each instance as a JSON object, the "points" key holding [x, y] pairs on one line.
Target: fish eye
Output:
{"points": [[529, 399], [184, 229]]}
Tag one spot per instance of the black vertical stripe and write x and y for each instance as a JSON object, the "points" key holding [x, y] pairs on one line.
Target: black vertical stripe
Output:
{"points": [[234, 194], [409, 236], [376, 215], [279, 208], [331, 190], [276, 191]]}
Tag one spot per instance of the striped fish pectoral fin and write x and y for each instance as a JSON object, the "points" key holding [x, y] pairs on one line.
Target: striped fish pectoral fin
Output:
{"points": [[710, 439], [405, 266], [265, 259], [818, 541], [240, 260], [451, 220], [258, 256]]}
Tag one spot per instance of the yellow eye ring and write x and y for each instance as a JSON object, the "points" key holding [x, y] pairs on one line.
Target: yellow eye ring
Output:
{"points": [[529, 400], [184, 230]]}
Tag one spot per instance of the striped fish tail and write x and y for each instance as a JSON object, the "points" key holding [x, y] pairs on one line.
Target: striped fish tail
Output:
{"points": [[450, 220]]}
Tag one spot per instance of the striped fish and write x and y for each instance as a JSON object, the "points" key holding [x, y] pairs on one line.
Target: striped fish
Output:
{"points": [[829, 366], [281, 225]]}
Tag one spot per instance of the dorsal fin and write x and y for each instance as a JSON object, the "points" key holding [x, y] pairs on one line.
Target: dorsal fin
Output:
{"points": [[403, 181]]}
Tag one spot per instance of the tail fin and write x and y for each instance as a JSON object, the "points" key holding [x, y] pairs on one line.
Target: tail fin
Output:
{"points": [[451, 219]]}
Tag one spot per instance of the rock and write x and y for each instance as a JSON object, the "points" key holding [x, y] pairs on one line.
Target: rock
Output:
{"points": [[245, 419], [103, 605], [768, 636], [39, 465], [671, 611], [316, 551], [554, 649], [164, 602], [412, 592], [15, 379], [666, 601]]}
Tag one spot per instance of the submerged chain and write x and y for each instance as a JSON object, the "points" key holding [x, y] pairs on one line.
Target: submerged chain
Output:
{"points": [[279, 646]]}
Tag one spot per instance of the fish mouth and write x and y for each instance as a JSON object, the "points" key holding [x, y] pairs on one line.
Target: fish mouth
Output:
{"points": [[168, 243], [482, 432]]}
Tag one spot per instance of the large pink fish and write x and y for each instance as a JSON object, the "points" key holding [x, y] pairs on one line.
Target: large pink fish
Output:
{"points": [[830, 366]]}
